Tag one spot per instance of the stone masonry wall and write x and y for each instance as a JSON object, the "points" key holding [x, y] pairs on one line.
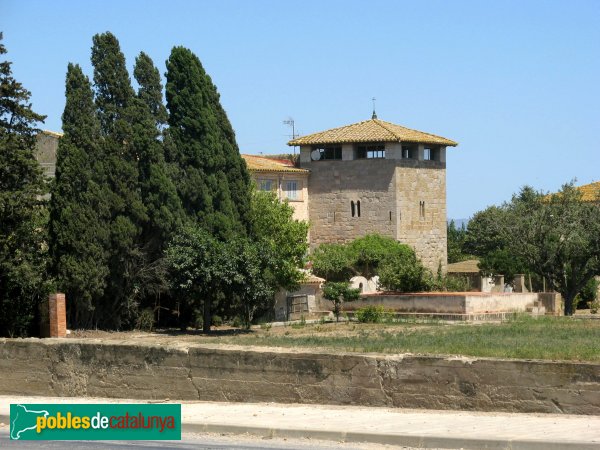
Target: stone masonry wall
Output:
{"points": [[390, 194], [334, 184], [115, 369], [423, 228]]}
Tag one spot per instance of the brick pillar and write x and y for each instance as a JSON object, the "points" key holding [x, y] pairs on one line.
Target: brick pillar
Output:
{"points": [[57, 314]]}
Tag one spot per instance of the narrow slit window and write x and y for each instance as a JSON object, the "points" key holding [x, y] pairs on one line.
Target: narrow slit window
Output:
{"points": [[358, 208], [352, 207]]}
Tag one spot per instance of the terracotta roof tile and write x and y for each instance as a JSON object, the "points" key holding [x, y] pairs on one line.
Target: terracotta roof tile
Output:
{"points": [[590, 192], [373, 130], [264, 164]]}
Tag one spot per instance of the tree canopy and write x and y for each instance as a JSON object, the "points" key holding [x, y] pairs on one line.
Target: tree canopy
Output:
{"points": [[557, 236], [23, 213], [78, 213]]}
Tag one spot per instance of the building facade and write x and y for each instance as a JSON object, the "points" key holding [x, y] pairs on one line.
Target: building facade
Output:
{"points": [[378, 177], [283, 178]]}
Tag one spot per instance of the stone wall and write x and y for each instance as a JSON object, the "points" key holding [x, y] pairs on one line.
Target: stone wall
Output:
{"points": [[423, 228], [447, 302], [401, 198], [333, 185], [46, 147], [68, 367]]}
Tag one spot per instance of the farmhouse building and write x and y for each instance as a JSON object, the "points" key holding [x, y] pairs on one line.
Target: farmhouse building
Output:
{"points": [[367, 177]]}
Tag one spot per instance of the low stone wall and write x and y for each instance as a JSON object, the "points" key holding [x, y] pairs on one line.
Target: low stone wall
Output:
{"points": [[552, 301], [69, 367], [447, 302]]}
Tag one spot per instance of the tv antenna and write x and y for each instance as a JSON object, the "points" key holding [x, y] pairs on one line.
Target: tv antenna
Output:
{"points": [[290, 122]]}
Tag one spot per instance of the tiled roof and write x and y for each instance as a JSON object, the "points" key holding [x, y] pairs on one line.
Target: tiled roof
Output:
{"points": [[590, 192], [52, 133], [264, 164], [469, 266], [373, 130]]}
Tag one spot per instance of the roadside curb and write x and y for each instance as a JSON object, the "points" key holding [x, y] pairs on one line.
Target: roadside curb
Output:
{"points": [[405, 440]]}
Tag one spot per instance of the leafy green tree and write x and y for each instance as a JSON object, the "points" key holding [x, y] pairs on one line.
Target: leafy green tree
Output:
{"points": [[23, 216], [486, 239], [273, 226], [484, 232], [78, 213], [368, 252], [339, 292], [202, 269], [272, 256], [456, 242], [404, 272], [363, 256], [557, 236], [118, 175], [332, 262]]}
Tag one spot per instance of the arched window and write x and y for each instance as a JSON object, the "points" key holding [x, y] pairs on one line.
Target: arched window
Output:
{"points": [[352, 207], [358, 208]]}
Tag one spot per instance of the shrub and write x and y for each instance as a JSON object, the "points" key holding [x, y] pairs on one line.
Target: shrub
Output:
{"points": [[589, 292], [403, 272], [372, 314], [145, 321], [217, 321]]}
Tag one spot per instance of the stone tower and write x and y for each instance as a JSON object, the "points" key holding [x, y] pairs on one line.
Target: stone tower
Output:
{"points": [[378, 177]]}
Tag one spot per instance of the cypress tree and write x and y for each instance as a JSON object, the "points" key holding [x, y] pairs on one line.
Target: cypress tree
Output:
{"points": [[213, 182], [158, 192], [119, 177], [22, 210], [78, 212]]}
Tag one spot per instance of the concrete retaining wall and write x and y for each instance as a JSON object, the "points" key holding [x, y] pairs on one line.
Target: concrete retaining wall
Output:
{"points": [[448, 303], [68, 367]]}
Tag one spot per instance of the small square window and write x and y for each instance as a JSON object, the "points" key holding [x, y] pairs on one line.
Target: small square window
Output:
{"points": [[371, 151], [326, 153], [292, 190], [408, 152], [265, 185]]}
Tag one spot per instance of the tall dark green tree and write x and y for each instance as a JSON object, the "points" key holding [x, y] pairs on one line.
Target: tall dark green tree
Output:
{"points": [[212, 181], [118, 175], [23, 216], [78, 211], [151, 89], [158, 193]]}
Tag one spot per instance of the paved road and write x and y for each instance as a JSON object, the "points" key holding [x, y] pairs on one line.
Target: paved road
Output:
{"points": [[192, 441], [355, 425]]}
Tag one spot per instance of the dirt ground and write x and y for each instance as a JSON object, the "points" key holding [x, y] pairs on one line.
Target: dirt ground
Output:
{"points": [[228, 333]]}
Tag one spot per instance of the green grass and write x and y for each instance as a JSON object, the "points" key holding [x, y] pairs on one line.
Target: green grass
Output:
{"points": [[553, 338]]}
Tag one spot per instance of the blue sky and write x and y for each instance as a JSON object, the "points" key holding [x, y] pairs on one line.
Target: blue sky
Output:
{"points": [[516, 83]]}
